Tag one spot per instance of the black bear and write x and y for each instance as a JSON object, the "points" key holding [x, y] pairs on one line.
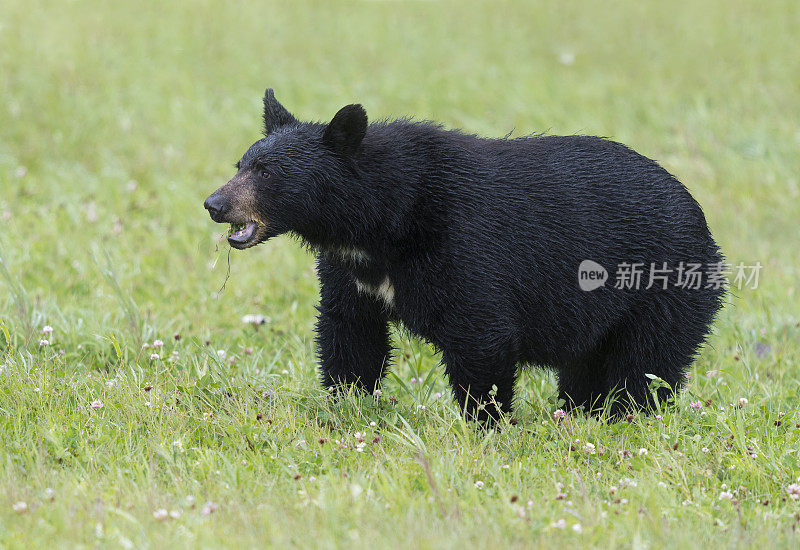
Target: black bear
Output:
{"points": [[495, 251]]}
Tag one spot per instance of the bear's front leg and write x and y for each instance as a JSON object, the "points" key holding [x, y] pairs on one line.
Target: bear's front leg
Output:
{"points": [[484, 389], [353, 341]]}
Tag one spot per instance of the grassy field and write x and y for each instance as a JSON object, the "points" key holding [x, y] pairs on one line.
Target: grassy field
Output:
{"points": [[117, 120]]}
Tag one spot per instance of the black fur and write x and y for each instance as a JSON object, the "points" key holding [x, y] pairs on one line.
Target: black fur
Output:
{"points": [[481, 240]]}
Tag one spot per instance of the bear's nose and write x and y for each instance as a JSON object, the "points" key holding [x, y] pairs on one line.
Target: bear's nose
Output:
{"points": [[215, 207]]}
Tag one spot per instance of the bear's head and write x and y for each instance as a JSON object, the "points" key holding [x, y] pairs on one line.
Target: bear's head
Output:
{"points": [[284, 180]]}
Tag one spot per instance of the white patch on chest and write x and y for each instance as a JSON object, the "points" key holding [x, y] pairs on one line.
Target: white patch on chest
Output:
{"points": [[353, 254], [385, 291]]}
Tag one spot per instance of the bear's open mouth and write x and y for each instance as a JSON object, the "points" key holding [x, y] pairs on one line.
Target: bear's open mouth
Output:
{"points": [[240, 235]]}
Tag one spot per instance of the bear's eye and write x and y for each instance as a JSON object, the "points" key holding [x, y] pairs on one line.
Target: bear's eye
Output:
{"points": [[265, 175]]}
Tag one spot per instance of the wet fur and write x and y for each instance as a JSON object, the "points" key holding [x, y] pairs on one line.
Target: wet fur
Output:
{"points": [[480, 240]]}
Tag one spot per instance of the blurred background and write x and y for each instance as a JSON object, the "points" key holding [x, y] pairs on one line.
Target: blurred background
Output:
{"points": [[118, 119]]}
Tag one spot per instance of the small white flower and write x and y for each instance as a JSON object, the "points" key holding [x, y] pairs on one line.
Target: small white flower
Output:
{"points": [[111, 383], [377, 393], [284, 371], [794, 491], [373, 424], [49, 493], [161, 514], [479, 484], [642, 451], [43, 343], [154, 357], [221, 353], [725, 495], [175, 514], [559, 414], [589, 447], [158, 344], [47, 329], [560, 524], [254, 319], [566, 58], [97, 404], [20, 507], [37, 390], [577, 528]]}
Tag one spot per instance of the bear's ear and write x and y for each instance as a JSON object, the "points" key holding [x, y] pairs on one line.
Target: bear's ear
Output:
{"points": [[275, 114], [345, 132]]}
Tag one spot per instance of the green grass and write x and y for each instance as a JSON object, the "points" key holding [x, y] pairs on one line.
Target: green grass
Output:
{"points": [[117, 119]]}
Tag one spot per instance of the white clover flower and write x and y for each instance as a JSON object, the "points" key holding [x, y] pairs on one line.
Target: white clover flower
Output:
{"points": [[158, 344], [479, 484], [47, 329], [255, 319], [161, 514]]}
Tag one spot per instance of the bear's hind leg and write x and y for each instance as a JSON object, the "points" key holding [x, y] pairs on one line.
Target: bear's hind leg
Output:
{"points": [[583, 384], [661, 340]]}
